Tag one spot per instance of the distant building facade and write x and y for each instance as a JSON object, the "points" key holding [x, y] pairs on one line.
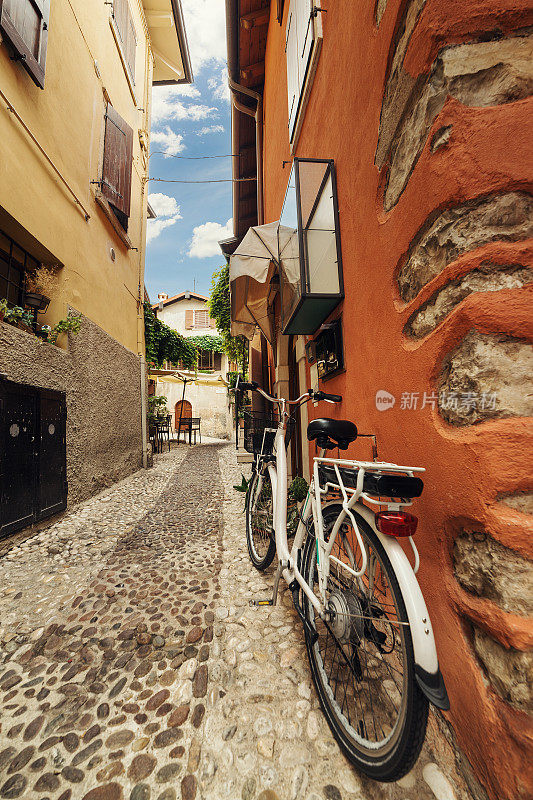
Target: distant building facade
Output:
{"points": [[206, 396]]}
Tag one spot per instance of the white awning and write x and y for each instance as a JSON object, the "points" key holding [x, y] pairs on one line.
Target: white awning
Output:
{"points": [[252, 267]]}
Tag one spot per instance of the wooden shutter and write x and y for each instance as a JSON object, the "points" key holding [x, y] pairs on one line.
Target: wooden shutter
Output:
{"points": [[217, 362], [305, 36], [189, 319], [24, 24], [291, 52], [131, 45], [126, 31], [118, 150], [120, 15], [302, 48]]}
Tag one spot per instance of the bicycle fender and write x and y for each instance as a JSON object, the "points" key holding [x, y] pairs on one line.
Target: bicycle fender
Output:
{"points": [[425, 651]]}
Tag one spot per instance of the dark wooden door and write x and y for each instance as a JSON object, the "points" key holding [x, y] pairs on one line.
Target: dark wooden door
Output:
{"points": [[18, 470], [52, 454], [33, 482]]}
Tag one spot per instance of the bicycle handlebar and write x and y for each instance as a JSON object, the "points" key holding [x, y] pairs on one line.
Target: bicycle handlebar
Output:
{"points": [[330, 398], [253, 386]]}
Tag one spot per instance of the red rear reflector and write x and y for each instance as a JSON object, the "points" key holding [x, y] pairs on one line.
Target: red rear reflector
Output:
{"points": [[396, 523]]}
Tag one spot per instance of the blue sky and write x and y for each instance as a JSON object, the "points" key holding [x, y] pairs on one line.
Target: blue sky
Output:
{"points": [[189, 121]]}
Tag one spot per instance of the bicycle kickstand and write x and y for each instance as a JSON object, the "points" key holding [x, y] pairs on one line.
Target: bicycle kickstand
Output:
{"points": [[272, 601]]}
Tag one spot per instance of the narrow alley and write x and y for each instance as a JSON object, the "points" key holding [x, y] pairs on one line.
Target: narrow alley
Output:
{"points": [[133, 668]]}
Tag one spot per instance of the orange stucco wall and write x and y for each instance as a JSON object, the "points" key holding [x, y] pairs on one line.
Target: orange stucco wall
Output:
{"points": [[468, 467]]}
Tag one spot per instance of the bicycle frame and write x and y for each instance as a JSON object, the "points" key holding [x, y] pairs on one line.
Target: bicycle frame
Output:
{"points": [[428, 674]]}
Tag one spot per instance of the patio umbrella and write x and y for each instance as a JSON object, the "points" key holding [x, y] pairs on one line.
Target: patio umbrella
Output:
{"points": [[253, 265]]}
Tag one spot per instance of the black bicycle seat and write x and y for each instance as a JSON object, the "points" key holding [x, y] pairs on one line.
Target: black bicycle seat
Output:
{"points": [[340, 431]]}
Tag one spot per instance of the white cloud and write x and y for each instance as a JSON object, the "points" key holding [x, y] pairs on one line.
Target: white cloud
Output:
{"points": [[157, 226], [163, 205], [171, 143], [166, 104], [168, 211], [205, 238], [205, 24], [185, 90], [219, 85], [210, 129]]}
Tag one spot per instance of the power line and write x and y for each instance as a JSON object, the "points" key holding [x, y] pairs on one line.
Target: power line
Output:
{"points": [[223, 180], [193, 158]]}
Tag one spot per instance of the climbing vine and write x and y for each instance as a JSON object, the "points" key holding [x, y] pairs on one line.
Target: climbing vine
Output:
{"points": [[207, 343], [165, 344], [235, 347]]}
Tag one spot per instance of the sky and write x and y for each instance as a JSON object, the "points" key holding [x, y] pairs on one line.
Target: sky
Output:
{"points": [[190, 121]]}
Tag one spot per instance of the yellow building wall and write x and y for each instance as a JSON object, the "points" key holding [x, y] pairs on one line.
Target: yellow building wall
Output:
{"points": [[67, 119]]}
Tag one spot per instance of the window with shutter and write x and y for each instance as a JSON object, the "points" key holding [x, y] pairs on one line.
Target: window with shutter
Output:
{"points": [[117, 166], [217, 362], [302, 48], [123, 19], [189, 319], [201, 318], [24, 24]]}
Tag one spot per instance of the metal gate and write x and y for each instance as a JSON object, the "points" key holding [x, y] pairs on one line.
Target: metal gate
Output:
{"points": [[33, 477]]}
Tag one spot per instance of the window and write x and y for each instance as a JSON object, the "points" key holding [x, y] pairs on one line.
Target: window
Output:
{"points": [[205, 359], [310, 249], [201, 318], [198, 318], [117, 165], [126, 33], [14, 261], [302, 47], [24, 24]]}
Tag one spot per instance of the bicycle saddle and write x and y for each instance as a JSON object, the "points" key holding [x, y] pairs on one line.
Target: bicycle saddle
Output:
{"points": [[326, 431]]}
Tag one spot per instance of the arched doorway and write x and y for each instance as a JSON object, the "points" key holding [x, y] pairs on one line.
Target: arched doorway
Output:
{"points": [[183, 409]]}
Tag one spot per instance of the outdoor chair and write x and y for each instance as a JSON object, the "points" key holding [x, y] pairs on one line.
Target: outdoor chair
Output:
{"points": [[195, 428]]}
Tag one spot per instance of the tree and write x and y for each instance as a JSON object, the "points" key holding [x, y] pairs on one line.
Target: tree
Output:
{"points": [[235, 347]]}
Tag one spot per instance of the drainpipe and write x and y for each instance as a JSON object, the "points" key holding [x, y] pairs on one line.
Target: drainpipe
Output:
{"points": [[232, 33], [237, 88], [144, 411]]}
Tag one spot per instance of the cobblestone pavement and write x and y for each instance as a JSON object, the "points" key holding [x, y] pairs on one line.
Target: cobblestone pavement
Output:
{"points": [[133, 668]]}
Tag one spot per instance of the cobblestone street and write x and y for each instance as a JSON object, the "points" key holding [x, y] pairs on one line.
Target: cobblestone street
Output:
{"points": [[133, 668]]}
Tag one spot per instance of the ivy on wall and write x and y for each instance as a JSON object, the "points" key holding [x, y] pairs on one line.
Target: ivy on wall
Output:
{"points": [[207, 343], [236, 347], [165, 344]]}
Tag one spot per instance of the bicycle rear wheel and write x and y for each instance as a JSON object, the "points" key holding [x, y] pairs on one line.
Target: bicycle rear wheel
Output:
{"points": [[260, 521], [362, 662]]}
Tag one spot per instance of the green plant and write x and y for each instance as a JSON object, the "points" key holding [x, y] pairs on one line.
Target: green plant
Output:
{"points": [[3, 306], [27, 317], [71, 324], [13, 314], [298, 489], [157, 407], [243, 486], [165, 344], [235, 347], [207, 343]]}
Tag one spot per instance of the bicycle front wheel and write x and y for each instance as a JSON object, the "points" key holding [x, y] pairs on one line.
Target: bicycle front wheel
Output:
{"points": [[362, 662], [260, 521]]}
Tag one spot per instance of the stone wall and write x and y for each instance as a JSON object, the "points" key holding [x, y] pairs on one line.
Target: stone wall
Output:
{"points": [[102, 381], [463, 285]]}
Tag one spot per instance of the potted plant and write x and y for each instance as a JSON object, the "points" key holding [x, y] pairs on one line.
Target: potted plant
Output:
{"points": [[13, 315]]}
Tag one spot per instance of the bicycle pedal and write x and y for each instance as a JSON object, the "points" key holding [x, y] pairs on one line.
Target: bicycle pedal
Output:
{"points": [[261, 602]]}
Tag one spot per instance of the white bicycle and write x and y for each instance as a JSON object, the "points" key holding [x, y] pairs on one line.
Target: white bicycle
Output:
{"points": [[367, 629]]}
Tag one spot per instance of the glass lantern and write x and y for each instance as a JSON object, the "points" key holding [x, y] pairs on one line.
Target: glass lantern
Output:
{"points": [[309, 247]]}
